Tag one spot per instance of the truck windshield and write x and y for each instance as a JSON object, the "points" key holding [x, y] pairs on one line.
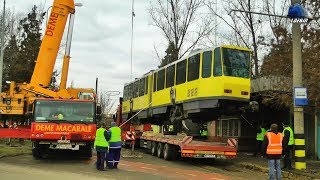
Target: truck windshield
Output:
{"points": [[236, 63], [64, 111]]}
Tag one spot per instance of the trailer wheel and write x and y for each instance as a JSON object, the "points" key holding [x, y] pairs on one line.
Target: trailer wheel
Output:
{"points": [[169, 152], [160, 150], [154, 149]]}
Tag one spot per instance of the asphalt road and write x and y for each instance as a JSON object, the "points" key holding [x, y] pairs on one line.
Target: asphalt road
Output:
{"points": [[149, 167]]}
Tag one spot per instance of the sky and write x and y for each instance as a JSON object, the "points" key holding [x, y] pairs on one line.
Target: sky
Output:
{"points": [[101, 45]]}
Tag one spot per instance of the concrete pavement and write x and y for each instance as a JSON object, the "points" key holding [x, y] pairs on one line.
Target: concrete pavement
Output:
{"points": [[260, 164], [24, 167]]}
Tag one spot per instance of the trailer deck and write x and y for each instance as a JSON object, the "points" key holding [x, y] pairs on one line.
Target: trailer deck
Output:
{"points": [[188, 147]]}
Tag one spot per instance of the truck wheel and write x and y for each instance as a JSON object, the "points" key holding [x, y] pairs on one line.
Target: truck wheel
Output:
{"points": [[86, 151], [36, 150], [169, 152], [154, 149], [36, 153], [160, 150], [88, 154]]}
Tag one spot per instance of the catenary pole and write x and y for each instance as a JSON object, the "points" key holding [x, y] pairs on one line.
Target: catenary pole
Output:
{"points": [[299, 152]]}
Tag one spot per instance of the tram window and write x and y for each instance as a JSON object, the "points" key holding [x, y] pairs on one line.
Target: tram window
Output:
{"points": [[170, 76], [217, 63], [160, 80], [136, 89], [181, 72], [154, 82], [130, 91], [193, 67], [146, 80], [125, 93], [141, 87], [206, 64]]}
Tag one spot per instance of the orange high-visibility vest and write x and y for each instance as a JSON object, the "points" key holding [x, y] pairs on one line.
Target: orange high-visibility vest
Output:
{"points": [[275, 143]]}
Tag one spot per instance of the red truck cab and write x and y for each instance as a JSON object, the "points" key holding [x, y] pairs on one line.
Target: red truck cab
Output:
{"points": [[63, 124]]}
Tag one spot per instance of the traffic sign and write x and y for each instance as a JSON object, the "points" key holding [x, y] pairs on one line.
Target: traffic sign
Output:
{"points": [[300, 96]]}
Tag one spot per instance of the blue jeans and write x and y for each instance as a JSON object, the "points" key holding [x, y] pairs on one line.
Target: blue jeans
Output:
{"points": [[274, 164]]}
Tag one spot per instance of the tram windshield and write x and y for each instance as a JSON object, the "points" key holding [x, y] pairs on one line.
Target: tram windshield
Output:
{"points": [[236, 62]]}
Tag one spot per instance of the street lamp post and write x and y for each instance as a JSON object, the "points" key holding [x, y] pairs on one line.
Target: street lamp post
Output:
{"points": [[132, 15], [2, 42]]}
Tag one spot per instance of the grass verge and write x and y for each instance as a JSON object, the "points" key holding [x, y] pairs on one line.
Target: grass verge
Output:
{"points": [[14, 149]]}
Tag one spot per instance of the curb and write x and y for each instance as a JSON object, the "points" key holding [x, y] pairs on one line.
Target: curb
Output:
{"points": [[13, 155], [285, 174]]}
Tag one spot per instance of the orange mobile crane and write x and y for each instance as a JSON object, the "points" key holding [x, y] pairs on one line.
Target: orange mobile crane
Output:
{"points": [[64, 119]]}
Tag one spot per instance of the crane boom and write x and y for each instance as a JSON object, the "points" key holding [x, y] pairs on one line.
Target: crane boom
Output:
{"points": [[22, 94], [51, 42]]}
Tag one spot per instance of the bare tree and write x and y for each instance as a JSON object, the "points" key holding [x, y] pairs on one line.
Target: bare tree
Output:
{"points": [[106, 102], [244, 26], [181, 23], [278, 8], [278, 62], [11, 23]]}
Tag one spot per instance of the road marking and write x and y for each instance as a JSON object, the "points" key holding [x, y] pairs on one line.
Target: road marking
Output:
{"points": [[216, 178], [191, 174], [148, 168]]}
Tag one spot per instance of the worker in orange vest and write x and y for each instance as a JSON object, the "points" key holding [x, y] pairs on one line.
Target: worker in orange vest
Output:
{"points": [[272, 147]]}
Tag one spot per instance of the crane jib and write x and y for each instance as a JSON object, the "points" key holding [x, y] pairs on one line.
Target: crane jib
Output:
{"points": [[52, 24]]}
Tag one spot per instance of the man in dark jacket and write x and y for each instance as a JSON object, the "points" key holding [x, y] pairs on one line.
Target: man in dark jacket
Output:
{"points": [[101, 145], [272, 147], [261, 132], [289, 141]]}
